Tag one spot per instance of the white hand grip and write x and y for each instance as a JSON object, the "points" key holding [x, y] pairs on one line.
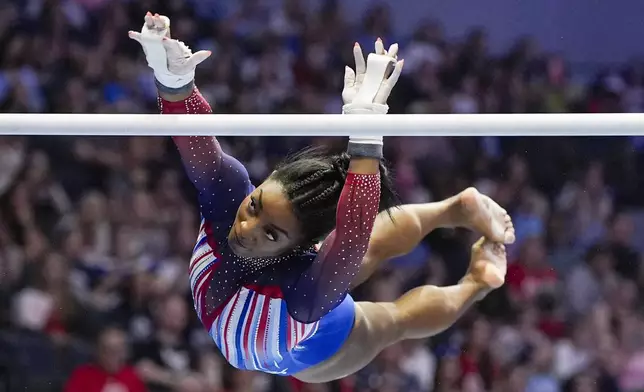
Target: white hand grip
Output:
{"points": [[376, 70]]}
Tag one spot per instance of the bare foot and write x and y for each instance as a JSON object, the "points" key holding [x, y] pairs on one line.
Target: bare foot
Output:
{"points": [[489, 263], [480, 213]]}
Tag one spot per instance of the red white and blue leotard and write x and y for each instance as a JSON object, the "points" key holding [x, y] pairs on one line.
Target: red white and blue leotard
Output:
{"points": [[276, 315]]}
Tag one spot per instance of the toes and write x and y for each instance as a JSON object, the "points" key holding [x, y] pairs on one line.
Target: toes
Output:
{"points": [[487, 216], [497, 232], [498, 249], [509, 236]]}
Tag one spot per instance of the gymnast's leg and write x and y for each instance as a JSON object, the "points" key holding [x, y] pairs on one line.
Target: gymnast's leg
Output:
{"points": [[413, 222], [420, 313]]}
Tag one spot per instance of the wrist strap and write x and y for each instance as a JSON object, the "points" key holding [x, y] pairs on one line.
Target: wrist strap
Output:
{"points": [[174, 91], [171, 80], [365, 147]]}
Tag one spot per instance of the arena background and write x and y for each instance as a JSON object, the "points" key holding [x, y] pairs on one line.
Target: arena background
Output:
{"points": [[96, 232]]}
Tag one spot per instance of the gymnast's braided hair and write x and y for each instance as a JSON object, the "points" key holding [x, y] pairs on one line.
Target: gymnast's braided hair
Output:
{"points": [[313, 180]]}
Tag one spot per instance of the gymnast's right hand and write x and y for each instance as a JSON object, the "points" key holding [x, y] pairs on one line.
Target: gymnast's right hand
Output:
{"points": [[172, 61]]}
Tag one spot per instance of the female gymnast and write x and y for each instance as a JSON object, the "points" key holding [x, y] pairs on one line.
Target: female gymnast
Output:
{"points": [[270, 299]]}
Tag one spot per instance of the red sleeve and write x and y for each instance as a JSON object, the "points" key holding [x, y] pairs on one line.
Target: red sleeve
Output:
{"points": [[323, 285], [221, 180]]}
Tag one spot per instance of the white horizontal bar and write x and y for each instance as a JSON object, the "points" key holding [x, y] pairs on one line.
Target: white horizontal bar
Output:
{"points": [[323, 125]]}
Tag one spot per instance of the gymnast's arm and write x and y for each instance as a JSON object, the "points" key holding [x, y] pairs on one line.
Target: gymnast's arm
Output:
{"points": [[326, 282], [221, 180]]}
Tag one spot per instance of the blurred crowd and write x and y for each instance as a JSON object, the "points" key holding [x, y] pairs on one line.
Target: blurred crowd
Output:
{"points": [[96, 233]]}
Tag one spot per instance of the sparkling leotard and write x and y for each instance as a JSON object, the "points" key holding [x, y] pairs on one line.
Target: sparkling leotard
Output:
{"points": [[277, 315]]}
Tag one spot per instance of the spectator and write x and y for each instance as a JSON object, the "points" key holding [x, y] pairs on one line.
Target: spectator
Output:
{"points": [[476, 359], [385, 374], [588, 204], [574, 355], [531, 274], [166, 361], [448, 374], [111, 371], [589, 281], [48, 305], [627, 259], [419, 363]]}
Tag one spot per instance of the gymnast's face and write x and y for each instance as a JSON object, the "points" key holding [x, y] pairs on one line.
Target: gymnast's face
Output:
{"points": [[265, 225]]}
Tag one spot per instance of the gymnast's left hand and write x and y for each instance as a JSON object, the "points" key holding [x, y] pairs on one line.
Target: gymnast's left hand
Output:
{"points": [[172, 61], [367, 89]]}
